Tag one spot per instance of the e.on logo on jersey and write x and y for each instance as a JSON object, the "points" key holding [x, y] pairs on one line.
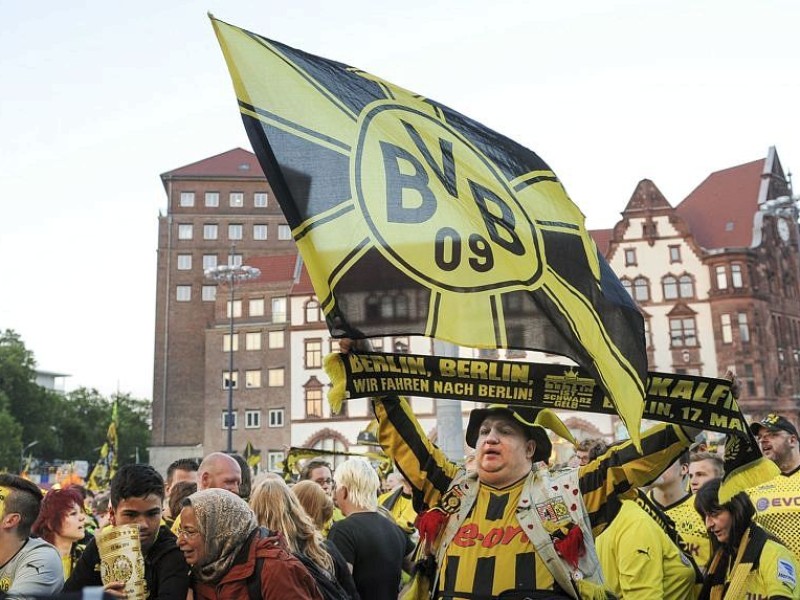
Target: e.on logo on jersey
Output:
{"points": [[470, 535]]}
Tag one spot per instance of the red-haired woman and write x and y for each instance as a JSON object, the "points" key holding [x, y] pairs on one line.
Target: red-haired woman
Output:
{"points": [[61, 522]]}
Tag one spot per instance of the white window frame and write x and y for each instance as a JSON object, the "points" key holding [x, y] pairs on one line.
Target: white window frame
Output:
{"points": [[235, 231], [721, 272], [252, 378], [744, 327], [210, 261], [234, 260], [183, 293], [236, 199], [210, 231], [737, 279], [273, 460], [186, 200], [226, 342], [252, 419], [209, 293], [211, 199], [237, 309], [184, 262], [276, 377], [261, 231], [260, 199], [279, 309], [255, 307], [727, 328], [252, 340], [185, 231], [272, 339], [630, 257], [284, 233], [234, 378], [276, 417]]}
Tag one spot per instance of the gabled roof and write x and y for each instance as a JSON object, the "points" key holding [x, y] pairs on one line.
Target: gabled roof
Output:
{"points": [[602, 237], [647, 197], [720, 210], [237, 163]]}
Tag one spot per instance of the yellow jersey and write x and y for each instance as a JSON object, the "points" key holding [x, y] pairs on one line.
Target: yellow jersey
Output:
{"points": [[777, 505]]}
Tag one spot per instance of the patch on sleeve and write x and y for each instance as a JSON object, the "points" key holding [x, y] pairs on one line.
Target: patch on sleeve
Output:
{"points": [[786, 572]]}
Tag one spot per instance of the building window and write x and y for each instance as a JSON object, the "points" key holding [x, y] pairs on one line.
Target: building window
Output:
{"points": [[226, 342], [260, 199], [252, 340], [252, 419], [727, 331], [275, 339], [276, 417], [314, 402], [674, 254], [185, 231], [256, 307], [630, 257], [235, 231], [641, 289], [686, 286], [313, 354], [230, 379], [279, 310], [400, 345], [183, 293], [627, 284], [212, 199], [744, 328], [648, 334], [210, 231], [275, 377], [209, 293], [237, 309], [749, 380], [187, 199], [234, 260], [236, 199], [736, 276], [274, 459], [722, 277], [284, 232], [260, 232], [252, 378], [670, 286], [234, 420], [313, 312], [184, 262], [683, 332], [209, 261]]}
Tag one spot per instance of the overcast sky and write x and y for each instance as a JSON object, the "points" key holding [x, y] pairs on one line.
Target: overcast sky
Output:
{"points": [[99, 98]]}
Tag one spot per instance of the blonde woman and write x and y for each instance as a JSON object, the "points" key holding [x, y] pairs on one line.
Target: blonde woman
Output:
{"points": [[278, 509]]}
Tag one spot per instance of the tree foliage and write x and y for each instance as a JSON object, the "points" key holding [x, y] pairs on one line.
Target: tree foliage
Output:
{"points": [[65, 427]]}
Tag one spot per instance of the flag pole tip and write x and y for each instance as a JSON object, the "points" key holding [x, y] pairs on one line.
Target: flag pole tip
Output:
{"points": [[210, 15]]}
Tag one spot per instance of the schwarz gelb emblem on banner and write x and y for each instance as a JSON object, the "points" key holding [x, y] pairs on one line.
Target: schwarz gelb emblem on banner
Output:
{"points": [[568, 390], [121, 559]]}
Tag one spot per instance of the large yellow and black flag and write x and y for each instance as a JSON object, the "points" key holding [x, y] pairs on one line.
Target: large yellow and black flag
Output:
{"points": [[413, 219], [106, 466]]}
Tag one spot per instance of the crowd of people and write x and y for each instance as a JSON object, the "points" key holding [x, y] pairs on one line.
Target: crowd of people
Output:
{"points": [[505, 525]]}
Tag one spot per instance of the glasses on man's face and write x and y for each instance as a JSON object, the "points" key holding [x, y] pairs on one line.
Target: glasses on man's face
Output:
{"points": [[187, 533], [324, 481]]}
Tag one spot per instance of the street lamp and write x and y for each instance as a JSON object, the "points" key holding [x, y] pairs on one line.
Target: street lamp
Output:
{"points": [[230, 275], [22, 455]]}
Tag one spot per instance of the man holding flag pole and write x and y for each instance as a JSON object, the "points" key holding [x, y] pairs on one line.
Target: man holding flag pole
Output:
{"points": [[398, 202]]}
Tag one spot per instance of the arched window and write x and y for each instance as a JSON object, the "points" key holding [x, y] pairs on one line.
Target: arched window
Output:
{"points": [[641, 289], [387, 307], [686, 286], [628, 285], [312, 311], [670, 285]]}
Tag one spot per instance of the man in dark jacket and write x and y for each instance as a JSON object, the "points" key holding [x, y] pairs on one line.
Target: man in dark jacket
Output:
{"points": [[137, 496]]}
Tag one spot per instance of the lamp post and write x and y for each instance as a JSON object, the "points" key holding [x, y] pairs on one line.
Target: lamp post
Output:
{"points": [[22, 455], [230, 275]]}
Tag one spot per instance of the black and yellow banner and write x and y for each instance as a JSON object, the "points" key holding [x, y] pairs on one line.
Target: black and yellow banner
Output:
{"points": [[413, 219], [700, 402], [106, 466]]}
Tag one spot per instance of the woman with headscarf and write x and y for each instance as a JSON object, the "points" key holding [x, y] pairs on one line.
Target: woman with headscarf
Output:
{"points": [[221, 541], [278, 509], [746, 561], [62, 522]]}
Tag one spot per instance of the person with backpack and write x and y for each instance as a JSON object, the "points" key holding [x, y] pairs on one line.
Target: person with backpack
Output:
{"points": [[231, 558]]}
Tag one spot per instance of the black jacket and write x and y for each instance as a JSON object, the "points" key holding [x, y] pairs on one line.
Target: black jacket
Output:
{"points": [[165, 570]]}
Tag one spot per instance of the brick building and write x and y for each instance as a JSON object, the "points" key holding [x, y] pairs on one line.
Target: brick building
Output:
{"points": [[716, 278]]}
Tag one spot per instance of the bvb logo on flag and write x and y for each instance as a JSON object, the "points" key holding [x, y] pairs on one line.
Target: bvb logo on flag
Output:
{"points": [[418, 179]]}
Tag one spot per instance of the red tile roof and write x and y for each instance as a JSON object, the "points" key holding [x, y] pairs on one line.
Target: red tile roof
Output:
{"points": [[602, 237], [720, 210], [274, 269], [233, 163], [304, 285]]}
